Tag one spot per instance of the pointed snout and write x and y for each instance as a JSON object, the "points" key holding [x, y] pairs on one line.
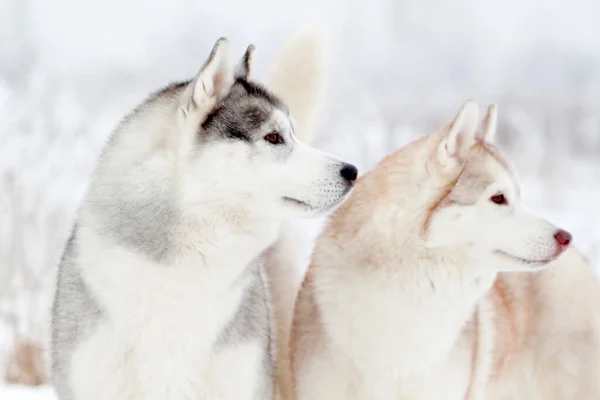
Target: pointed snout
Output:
{"points": [[563, 239], [349, 172]]}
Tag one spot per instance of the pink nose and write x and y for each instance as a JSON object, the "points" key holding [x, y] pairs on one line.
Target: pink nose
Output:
{"points": [[563, 238]]}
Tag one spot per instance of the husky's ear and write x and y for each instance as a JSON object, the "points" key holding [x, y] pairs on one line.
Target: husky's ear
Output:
{"points": [[212, 83], [460, 134], [244, 67], [299, 74], [490, 124]]}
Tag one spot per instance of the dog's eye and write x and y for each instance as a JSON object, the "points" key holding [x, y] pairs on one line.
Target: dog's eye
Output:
{"points": [[499, 199], [274, 138]]}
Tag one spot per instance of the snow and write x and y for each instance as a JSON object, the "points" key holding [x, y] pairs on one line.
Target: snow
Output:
{"points": [[16, 392], [70, 69]]}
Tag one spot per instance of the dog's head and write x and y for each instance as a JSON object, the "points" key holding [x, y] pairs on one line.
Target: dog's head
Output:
{"points": [[239, 147], [478, 202]]}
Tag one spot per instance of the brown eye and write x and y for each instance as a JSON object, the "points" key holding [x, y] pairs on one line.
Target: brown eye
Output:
{"points": [[274, 138], [499, 199]]}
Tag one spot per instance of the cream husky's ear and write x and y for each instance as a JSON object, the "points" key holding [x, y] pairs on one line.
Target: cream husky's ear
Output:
{"points": [[298, 77], [244, 67], [459, 136], [490, 124], [212, 83]]}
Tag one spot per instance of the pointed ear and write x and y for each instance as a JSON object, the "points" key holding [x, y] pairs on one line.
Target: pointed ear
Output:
{"points": [[244, 67], [490, 124], [212, 83], [298, 76], [460, 135]]}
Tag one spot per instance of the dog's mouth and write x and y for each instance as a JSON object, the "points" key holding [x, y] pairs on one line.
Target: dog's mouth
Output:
{"points": [[298, 203], [536, 263], [321, 207]]}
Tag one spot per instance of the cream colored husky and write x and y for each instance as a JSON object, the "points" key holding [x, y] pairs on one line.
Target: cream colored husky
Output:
{"points": [[433, 282]]}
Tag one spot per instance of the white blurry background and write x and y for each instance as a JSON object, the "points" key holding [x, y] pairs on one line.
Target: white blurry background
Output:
{"points": [[69, 70]]}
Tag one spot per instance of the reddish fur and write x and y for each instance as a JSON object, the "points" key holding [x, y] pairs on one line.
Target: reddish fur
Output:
{"points": [[475, 354], [505, 323], [516, 300]]}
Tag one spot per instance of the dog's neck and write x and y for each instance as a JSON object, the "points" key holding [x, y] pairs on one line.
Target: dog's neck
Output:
{"points": [[159, 227], [433, 291], [223, 235], [139, 204], [394, 240]]}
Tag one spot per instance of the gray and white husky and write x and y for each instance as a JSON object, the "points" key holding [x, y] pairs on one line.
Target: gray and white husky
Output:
{"points": [[161, 291]]}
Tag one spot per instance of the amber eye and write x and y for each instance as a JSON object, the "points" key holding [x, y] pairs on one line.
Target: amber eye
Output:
{"points": [[499, 199], [274, 138]]}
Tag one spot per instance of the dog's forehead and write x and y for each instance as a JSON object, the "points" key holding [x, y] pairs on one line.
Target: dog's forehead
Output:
{"points": [[244, 111], [256, 116], [249, 92], [252, 100], [282, 120], [486, 166]]}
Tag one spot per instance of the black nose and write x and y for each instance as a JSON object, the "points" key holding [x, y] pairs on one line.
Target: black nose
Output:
{"points": [[349, 172]]}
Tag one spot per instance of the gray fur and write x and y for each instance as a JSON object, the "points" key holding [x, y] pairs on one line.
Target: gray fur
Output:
{"points": [[145, 221], [247, 106], [253, 323], [134, 202], [75, 314], [244, 68], [241, 116]]}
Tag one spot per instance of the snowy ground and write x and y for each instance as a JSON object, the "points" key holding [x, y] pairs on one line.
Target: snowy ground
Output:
{"points": [[70, 69], [26, 393]]}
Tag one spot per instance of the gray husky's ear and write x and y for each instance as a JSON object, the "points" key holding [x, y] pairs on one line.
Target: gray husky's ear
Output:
{"points": [[460, 134], [244, 67], [212, 83], [490, 124]]}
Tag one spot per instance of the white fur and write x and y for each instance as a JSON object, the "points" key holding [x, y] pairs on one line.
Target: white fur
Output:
{"points": [[490, 124], [303, 57], [473, 219], [387, 308], [214, 79], [406, 342], [463, 126], [160, 339], [298, 77], [161, 320]]}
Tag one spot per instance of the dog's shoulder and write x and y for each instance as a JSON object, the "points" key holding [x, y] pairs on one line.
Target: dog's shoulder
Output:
{"points": [[252, 319], [75, 311], [253, 323]]}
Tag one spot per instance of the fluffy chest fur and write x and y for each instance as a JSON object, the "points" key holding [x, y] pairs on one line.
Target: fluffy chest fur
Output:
{"points": [[410, 339], [170, 331]]}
